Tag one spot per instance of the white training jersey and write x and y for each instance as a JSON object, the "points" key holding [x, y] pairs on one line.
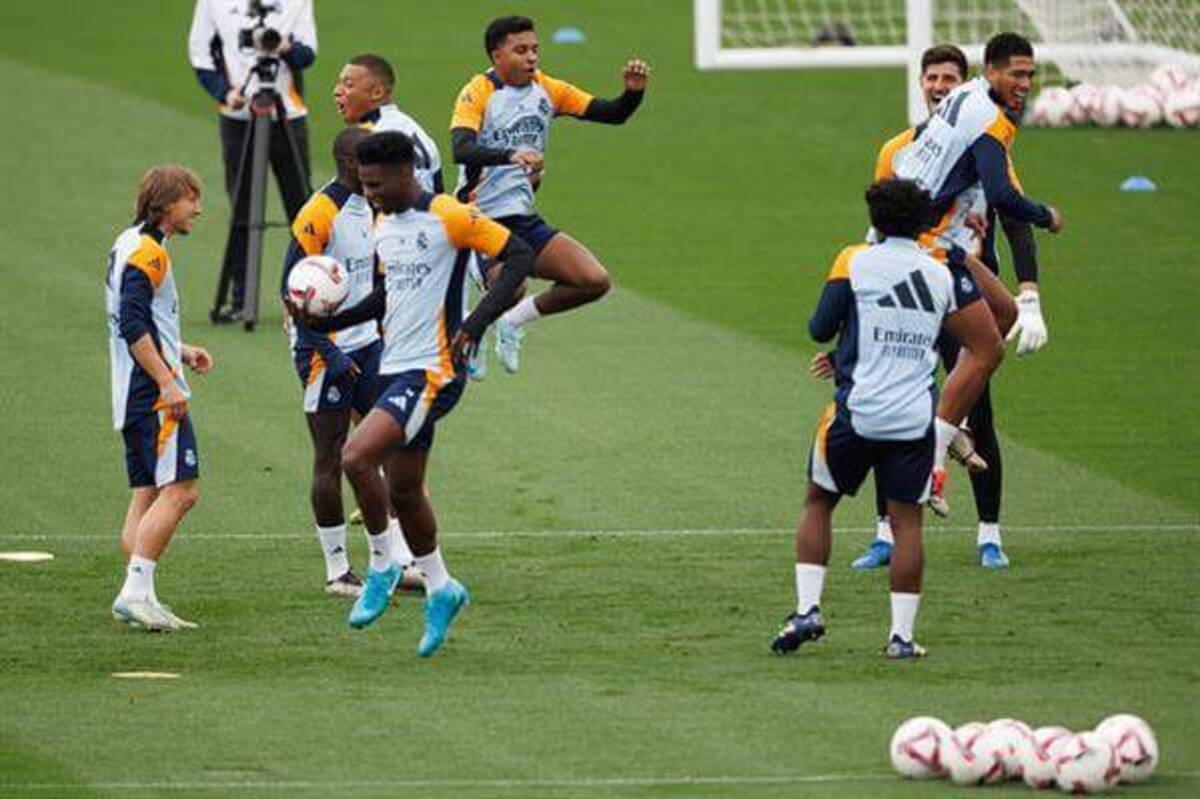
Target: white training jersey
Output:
{"points": [[886, 358], [510, 118], [424, 253], [213, 45], [339, 223], [141, 285], [428, 164]]}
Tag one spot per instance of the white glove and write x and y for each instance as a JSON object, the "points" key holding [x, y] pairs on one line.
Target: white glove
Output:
{"points": [[1030, 324]]}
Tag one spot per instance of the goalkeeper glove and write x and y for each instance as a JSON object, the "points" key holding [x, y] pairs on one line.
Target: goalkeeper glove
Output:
{"points": [[1030, 326]]}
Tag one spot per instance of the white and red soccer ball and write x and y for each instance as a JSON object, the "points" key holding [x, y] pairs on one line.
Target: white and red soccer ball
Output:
{"points": [[1182, 109], [1141, 107], [1052, 106], [1087, 101], [318, 285], [1037, 756], [1135, 745], [1086, 763], [972, 755], [1170, 78], [916, 748]]}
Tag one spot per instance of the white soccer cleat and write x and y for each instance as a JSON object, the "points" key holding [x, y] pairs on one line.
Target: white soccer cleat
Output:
{"points": [[508, 345], [937, 492], [143, 614], [962, 449], [348, 584], [179, 623]]}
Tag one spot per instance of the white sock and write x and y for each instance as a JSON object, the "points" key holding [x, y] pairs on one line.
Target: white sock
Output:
{"points": [[989, 533], [523, 312], [434, 569], [904, 614], [945, 433], [139, 579], [381, 550], [810, 581], [400, 550], [333, 544], [883, 530]]}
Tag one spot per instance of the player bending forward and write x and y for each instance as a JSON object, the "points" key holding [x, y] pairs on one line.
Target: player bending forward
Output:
{"points": [[149, 395], [889, 301], [424, 243]]}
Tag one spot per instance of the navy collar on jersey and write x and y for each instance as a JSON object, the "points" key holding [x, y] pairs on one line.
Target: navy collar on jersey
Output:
{"points": [[337, 192], [494, 78], [423, 203], [153, 231], [371, 116], [1013, 116]]}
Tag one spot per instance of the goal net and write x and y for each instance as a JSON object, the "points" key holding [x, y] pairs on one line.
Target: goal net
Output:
{"points": [[1115, 42]]}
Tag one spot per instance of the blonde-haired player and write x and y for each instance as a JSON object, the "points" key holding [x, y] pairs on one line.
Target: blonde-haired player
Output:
{"points": [[150, 397]]}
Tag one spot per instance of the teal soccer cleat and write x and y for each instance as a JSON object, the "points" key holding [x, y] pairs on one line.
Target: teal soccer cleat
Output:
{"points": [[878, 555], [375, 596], [440, 609], [991, 556]]}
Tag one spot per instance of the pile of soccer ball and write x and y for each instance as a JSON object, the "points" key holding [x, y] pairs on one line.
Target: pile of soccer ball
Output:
{"points": [[1121, 749], [1171, 95]]}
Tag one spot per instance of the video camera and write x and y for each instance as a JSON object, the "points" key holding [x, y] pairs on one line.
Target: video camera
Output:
{"points": [[260, 37]]}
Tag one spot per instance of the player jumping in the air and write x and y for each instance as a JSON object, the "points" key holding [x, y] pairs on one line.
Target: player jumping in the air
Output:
{"points": [[962, 156], [340, 371], [500, 129], [424, 243], [150, 397], [888, 301]]}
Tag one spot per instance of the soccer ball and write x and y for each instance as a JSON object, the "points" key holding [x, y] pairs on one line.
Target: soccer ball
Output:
{"points": [[1107, 111], [916, 748], [1010, 735], [1137, 749], [1182, 109], [318, 285], [1037, 755], [1170, 78], [1141, 108], [1086, 763], [1051, 107], [971, 756], [1086, 97]]}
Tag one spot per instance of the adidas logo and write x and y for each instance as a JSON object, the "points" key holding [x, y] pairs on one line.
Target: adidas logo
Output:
{"points": [[903, 293]]}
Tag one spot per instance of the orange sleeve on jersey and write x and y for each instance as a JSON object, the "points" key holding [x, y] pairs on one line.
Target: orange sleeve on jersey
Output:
{"points": [[471, 104], [1012, 175], [313, 226], [885, 164], [152, 260], [567, 99], [1002, 130], [841, 264], [467, 228]]}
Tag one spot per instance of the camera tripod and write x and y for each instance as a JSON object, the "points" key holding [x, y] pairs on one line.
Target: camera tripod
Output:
{"points": [[250, 190]]}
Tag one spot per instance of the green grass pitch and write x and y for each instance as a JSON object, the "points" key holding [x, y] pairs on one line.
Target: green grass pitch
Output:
{"points": [[622, 509]]}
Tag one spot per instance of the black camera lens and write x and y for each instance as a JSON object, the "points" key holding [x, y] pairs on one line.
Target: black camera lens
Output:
{"points": [[269, 39]]}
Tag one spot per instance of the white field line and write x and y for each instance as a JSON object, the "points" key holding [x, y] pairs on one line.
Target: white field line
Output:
{"points": [[528, 784], [677, 533]]}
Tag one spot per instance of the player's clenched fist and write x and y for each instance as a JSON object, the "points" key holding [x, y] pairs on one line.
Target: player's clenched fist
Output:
{"points": [[637, 75]]}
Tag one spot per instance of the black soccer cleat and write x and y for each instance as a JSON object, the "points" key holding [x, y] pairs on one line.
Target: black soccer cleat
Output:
{"points": [[797, 629]]}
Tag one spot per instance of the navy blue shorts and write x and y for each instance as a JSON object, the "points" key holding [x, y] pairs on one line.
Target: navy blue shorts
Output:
{"points": [[417, 399], [160, 450], [322, 395], [841, 458], [532, 229]]}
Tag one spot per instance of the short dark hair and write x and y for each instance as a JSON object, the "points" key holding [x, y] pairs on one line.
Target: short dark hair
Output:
{"points": [[499, 29], [389, 147], [378, 66], [899, 207], [945, 54], [346, 141], [1003, 46]]}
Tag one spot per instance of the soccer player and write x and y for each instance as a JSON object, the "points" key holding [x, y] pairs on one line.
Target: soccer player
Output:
{"points": [[500, 128], [424, 243], [363, 96], [339, 372], [149, 393], [888, 301], [944, 68]]}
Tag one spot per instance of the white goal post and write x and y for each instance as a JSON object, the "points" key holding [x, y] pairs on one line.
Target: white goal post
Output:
{"points": [[1102, 41]]}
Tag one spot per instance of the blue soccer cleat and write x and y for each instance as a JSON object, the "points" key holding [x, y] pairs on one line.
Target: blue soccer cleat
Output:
{"points": [[991, 556], [440, 609], [899, 649], [797, 629], [477, 364], [878, 555], [376, 594], [508, 345]]}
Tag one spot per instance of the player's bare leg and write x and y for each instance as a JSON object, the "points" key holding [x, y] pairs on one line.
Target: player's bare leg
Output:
{"points": [[328, 433], [138, 603], [444, 596], [578, 277], [814, 540], [908, 563], [139, 503]]}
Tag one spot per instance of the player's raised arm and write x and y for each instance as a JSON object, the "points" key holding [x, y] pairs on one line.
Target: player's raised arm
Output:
{"points": [[615, 112]]}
